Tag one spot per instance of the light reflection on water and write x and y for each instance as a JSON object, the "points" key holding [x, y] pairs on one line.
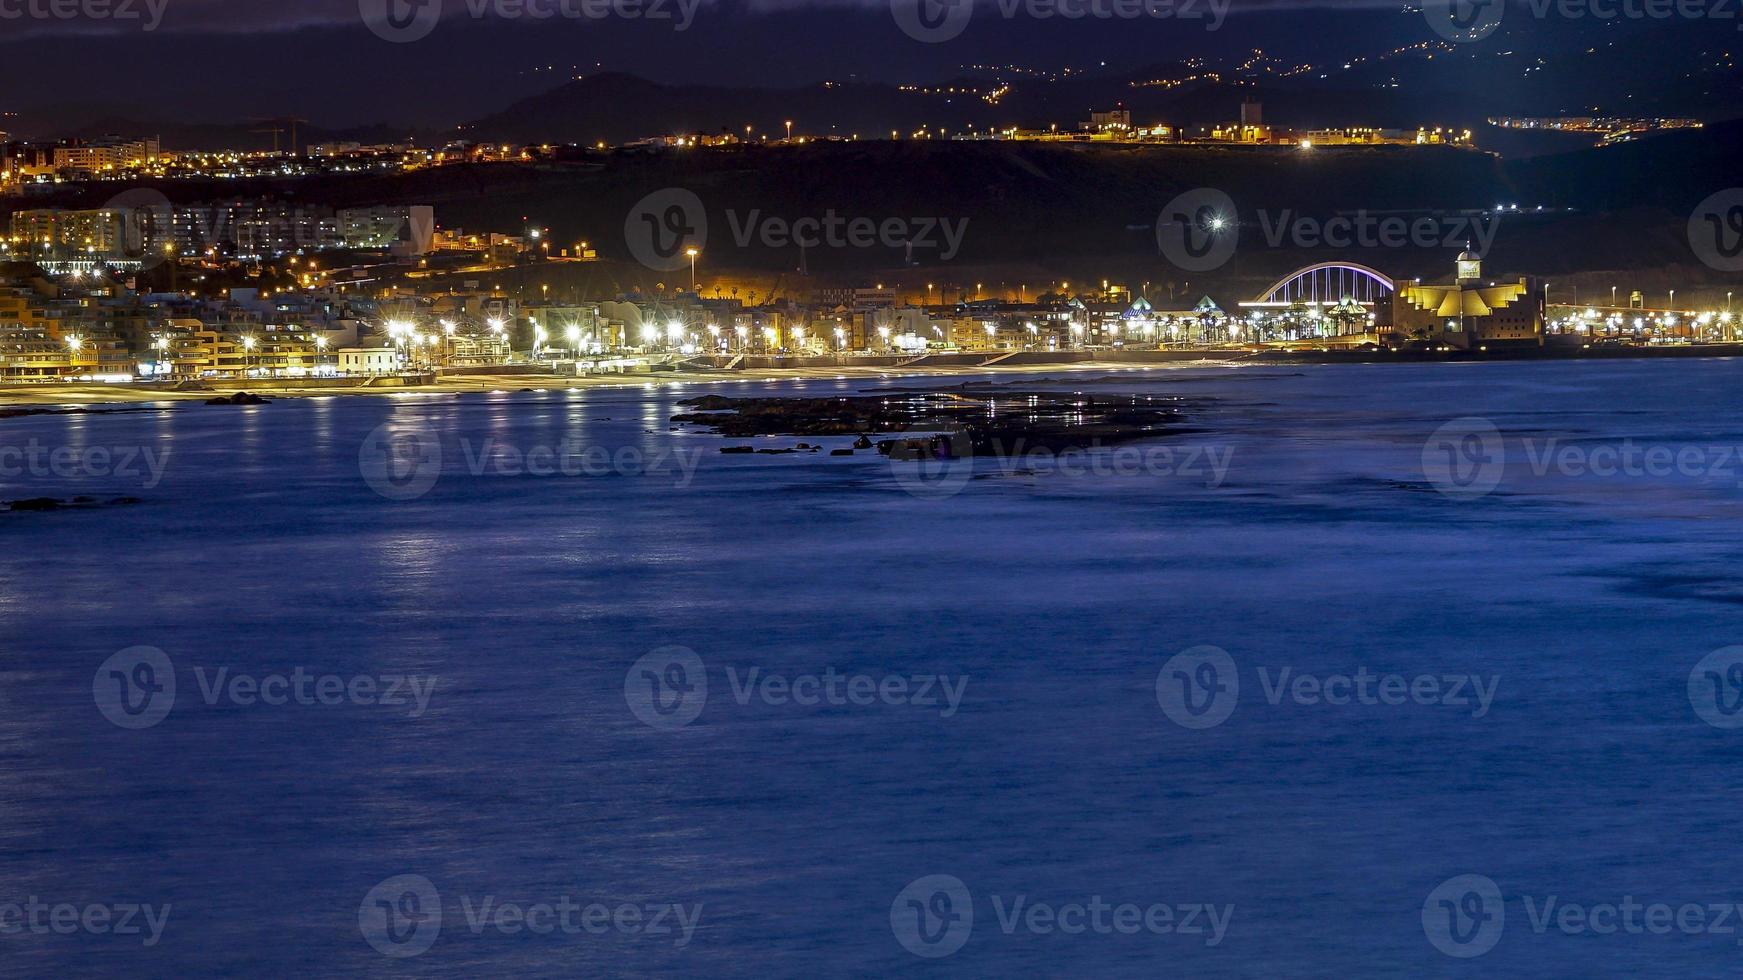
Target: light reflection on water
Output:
{"points": [[1324, 550]]}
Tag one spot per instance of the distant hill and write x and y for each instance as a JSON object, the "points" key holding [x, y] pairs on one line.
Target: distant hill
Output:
{"points": [[1581, 68], [1085, 211], [1585, 67]]}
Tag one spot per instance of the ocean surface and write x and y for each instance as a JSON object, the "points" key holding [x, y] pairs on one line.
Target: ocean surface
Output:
{"points": [[956, 722]]}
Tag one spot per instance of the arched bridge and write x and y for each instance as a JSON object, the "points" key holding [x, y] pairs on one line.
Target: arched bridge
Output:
{"points": [[1328, 283]]}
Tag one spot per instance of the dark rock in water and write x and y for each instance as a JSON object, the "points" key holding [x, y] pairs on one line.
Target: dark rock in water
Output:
{"points": [[863, 442], [929, 447], [45, 504], [776, 452], [710, 403], [979, 423], [841, 452], [738, 450], [240, 398], [35, 504], [804, 445]]}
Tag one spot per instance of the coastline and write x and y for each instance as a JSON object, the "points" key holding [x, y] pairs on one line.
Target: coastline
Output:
{"points": [[71, 395], [51, 395]]}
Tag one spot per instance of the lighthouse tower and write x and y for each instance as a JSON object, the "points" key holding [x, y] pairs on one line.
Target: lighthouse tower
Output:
{"points": [[1470, 267]]}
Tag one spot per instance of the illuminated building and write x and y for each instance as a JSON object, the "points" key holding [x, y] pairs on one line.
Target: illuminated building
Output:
{"points": [[1471, 311]]}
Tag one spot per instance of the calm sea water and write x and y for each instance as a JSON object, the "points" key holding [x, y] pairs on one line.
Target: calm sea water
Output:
{"points": [[1052, 601]]}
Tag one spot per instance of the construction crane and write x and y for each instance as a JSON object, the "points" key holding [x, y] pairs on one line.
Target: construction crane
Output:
{"points": [[278, 125]]}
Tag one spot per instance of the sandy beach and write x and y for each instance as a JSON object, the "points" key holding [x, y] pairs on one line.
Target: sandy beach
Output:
{"points": [[51, 395]]}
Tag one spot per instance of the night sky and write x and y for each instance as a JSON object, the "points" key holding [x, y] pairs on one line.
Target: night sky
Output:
{"points": [[222, 60]]}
